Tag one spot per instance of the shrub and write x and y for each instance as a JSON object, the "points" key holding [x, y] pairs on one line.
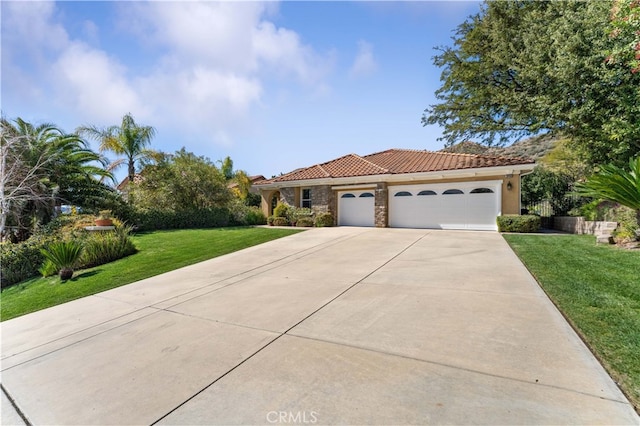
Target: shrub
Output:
{"points": [[516, 223], [105, 247], [296, 213], [64, 255], [22, 260], [48, 269], [246, 215], [255, 216], [627, 229], [185, 219], [270, 220], [305, 222], [281, 210], [253, 200], [280, 221], [324, 219]]}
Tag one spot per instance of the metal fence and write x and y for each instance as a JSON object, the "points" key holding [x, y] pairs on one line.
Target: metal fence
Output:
{"points": [[548, 208]]}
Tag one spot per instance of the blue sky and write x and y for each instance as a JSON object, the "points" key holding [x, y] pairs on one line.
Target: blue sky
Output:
{"points": [[275, 85]]}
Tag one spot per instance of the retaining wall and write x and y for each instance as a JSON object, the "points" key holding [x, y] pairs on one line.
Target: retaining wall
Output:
{"points": [[578, 225]]}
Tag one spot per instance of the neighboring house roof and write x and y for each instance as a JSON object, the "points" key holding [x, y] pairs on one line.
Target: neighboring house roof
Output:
{"points": [[123, 184], [396, 161], [254, 179]]}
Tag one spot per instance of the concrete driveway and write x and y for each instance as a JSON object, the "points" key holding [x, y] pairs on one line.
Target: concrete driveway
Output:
{"points": [[329, 326]]}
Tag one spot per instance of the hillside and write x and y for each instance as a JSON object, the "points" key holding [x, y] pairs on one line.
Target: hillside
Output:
{"points": [[535, 148]]}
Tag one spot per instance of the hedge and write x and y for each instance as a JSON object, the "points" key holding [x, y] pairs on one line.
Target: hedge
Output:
{"points": [[206, 218], [517, 223], [21, 261]]}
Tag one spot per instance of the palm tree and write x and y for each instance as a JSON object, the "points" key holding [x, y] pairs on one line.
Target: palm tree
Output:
{"points": [[128, 139], [41, 166], [615, 184]]}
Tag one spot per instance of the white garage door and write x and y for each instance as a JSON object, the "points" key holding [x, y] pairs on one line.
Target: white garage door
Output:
{"points": [[356, 208], [468, 205]]}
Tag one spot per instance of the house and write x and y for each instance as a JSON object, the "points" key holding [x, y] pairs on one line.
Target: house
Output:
{"points": [[405, 188], [253, 179]]}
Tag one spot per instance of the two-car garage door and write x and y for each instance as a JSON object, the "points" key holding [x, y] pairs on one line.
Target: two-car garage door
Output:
{"points": [[467, 205]]}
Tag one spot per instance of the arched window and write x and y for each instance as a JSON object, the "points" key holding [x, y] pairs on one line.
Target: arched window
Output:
{"points": [[452, 191], [427, 192], [481, 191], [348, 196], [403, 194], [366, 195]]}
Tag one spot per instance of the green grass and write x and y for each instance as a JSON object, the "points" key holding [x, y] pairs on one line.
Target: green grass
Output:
{"points": [[597, 287], [159, 252]]}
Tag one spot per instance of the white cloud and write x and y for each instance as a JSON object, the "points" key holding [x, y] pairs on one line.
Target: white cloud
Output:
{"points": [[30, 24], [209, 70], [216, 57], [364, 63], [95, 84]]}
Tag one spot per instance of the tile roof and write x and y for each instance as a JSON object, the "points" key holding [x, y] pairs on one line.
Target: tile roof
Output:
{"points": [[396, 161]]}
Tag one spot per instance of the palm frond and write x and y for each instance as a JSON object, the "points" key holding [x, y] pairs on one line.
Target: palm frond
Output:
{"points": [[615, 184]]}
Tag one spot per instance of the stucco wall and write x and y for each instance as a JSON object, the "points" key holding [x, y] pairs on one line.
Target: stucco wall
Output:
{"points": [[511, 197]]}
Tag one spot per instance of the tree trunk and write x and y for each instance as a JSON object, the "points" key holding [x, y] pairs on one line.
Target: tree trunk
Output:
{"points": [[132, 171]]}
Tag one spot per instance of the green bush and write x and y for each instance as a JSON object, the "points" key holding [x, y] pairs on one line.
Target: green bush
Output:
{"points": [[246, 215], [281, 210], [64, 255], [22, 260], [304, 222], [280, 221], [296, 213], [255, 216], [253, 200], [324, 219], [48, 269], [270, 220], [205, 218], [516, 223], [106, 246], [627, 229]]}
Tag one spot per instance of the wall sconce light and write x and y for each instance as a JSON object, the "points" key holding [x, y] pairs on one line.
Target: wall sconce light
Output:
{"points": [[509, 186]]}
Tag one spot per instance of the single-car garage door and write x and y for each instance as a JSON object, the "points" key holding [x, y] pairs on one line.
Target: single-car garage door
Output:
{"points": [[467, 205], [356, 208]]}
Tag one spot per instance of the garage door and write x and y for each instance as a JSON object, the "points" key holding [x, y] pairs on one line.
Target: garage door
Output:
{"points": [[469, 205], [356, 208]]}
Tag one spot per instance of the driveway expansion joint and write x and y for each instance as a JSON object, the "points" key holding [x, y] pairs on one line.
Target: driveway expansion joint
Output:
{"points": [[534, 382]]}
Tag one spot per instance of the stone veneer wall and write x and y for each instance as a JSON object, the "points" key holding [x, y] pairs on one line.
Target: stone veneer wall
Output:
{"points": [[381, 218], [322, 199], [288, 195]]}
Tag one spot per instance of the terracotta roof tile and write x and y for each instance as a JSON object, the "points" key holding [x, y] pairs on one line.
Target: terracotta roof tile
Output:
{"points": [[396, 161]]}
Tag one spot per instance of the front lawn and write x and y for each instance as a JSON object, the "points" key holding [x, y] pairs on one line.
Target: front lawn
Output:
{"points": [[597, 287], [159, 252]]}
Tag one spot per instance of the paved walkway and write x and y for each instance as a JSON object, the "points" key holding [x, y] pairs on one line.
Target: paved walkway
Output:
{"points": [[336, 325]]}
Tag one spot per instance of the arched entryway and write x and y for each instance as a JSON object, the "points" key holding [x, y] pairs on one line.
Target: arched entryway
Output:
{"points": [[273, 200]]}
